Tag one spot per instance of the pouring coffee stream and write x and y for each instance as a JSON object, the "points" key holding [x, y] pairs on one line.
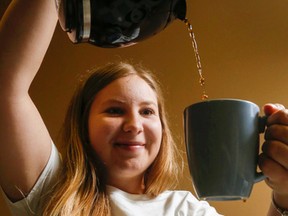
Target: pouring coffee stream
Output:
{"points": [[197, 56]]}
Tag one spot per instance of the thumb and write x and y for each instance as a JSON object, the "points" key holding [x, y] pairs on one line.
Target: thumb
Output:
{"points": [[272, 108]]}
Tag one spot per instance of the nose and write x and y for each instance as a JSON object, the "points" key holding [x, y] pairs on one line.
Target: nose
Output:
{"points": [[133, 124]]}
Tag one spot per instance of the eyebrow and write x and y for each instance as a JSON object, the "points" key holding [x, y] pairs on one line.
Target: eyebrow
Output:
{"points": [[122, 102]]}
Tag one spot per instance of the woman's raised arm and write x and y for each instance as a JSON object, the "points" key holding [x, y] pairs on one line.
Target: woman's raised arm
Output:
{"points": [[26, 30]]}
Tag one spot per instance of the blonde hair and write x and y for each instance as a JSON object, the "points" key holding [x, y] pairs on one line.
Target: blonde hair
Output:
{"points": [[81, 189]]}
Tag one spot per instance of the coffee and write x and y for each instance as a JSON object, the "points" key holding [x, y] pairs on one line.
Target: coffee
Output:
{"points": [[197, 56]]}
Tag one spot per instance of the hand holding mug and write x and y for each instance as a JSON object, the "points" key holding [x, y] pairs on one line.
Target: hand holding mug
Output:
{"points": [[274, 159]]}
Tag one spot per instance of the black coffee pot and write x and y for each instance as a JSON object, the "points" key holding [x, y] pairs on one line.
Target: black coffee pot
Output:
{"points": [[117, 23]]}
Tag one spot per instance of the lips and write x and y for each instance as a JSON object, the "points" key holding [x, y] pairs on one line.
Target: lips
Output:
{"points": [[129, 145]]}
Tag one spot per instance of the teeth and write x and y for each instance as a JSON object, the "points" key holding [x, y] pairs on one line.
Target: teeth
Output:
{"points": [[119, 144]]}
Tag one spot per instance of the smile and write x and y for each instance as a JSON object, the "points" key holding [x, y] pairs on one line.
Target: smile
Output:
{"points": [[129, 146]]}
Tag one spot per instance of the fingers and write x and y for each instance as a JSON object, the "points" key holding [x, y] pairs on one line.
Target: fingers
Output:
{"points": [[272, 108], [274, 159], [277, 175], [277, 152], [277, 132], [278, 117]]}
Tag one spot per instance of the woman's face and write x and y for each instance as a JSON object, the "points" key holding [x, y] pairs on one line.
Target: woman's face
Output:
{"points": [[125, 128]]}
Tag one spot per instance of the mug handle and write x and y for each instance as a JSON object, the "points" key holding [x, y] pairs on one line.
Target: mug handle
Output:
{"points": [[259, 176]]}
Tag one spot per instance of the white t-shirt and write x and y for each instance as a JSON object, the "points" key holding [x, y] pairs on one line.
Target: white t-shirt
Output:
{"points": [[33, 203], [168, 203]]}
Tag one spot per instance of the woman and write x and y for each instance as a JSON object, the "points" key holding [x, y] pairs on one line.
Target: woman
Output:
{"points": [[114, 137], [115, 134]]}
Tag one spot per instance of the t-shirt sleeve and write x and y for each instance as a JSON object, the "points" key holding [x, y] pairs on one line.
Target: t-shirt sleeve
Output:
{"points": [[33, 203]]}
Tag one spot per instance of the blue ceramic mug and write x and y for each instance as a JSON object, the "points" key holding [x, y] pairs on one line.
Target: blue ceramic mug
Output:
{"points": [[222, 143]]}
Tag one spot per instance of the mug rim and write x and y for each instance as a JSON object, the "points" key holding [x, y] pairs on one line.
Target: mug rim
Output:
{"points": [[221, 100]]}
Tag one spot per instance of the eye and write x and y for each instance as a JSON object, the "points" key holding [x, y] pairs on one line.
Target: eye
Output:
{"points": [[148, 112], [114, 111]]}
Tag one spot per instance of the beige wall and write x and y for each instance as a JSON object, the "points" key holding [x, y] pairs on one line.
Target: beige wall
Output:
{"points": [[244, 51]]}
